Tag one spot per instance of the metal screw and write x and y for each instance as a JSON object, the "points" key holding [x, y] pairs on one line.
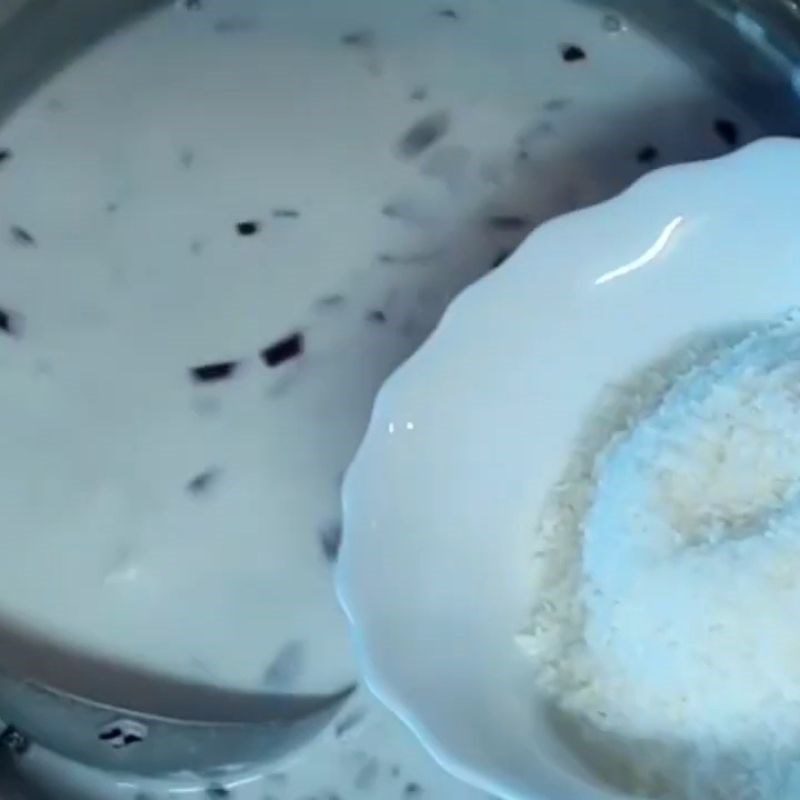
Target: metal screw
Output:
{"points": [[15, 741], [123, 733]]}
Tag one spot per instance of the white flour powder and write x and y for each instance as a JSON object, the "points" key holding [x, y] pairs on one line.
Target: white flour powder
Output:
{"points": [[668, 583]]}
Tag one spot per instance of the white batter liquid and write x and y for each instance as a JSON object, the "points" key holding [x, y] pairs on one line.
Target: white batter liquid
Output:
{"points": [[178, 524]]}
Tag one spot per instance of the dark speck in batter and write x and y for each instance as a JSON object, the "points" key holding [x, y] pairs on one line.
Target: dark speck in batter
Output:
{"points": [[349, 722], [283, 350], [287, 666], [507, 222], [409, 259], [376, 316], [9, 322], [330, 301], [360, 38], [249, 227], [212, 373], [423, 134], [5, 155], [557, 104], [330, 538], [203, 482], [367, 776], [186, 157], [21, 236], [235, 25], [572, 52]]}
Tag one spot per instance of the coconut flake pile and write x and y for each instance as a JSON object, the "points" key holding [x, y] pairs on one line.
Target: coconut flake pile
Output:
{"points": [[667, 580]]}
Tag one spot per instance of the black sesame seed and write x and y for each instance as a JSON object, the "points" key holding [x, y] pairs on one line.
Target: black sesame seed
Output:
{"points": [[330, 538], [248, 227], [728, 131], [217, 791], [186, 157], [367, 776], [361, 38], [283, 350], [21, 236], [572, 52], [9, 322], [5, 154], [347, 723], [211, 373], [406, 258], [234, 25], [556, 104], [377, 316], [287, 666], [330, 301], [647, 154], [400, 210], [507, 222], [202, 482], [423, 134]]}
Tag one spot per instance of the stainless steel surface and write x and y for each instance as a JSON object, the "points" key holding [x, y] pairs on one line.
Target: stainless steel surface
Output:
{"points": [[38, 37], [180, 725], [253, 728], [749, 48], [124, 719], [145, 724]]}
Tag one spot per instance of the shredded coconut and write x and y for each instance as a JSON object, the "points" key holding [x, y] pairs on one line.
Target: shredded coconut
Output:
{"points": [[667, 580]]}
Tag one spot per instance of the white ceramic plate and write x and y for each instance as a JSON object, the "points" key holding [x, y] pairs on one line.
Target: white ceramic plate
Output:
{"points": [[468, 438]]}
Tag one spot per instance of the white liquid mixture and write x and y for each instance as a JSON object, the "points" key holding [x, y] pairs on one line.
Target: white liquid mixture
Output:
{"points": [[219, 232]]}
